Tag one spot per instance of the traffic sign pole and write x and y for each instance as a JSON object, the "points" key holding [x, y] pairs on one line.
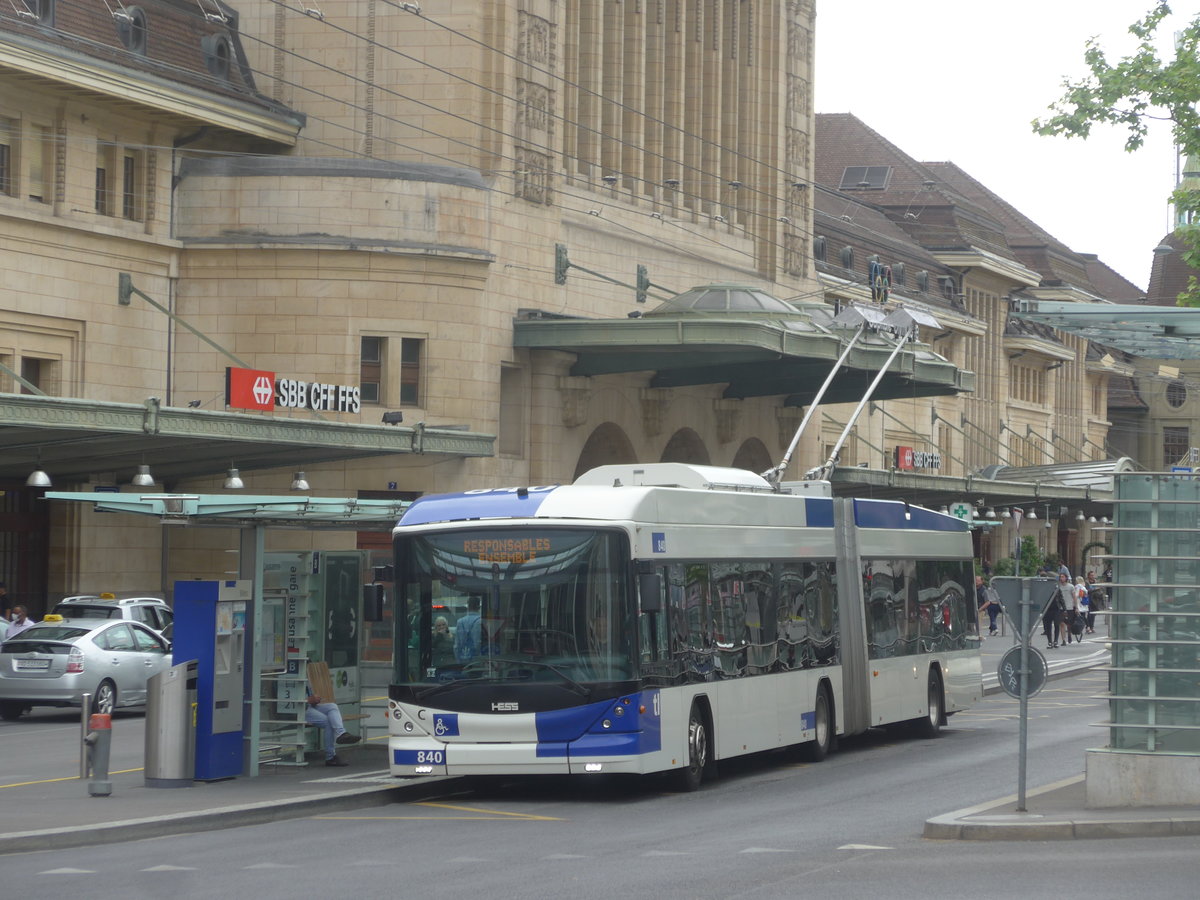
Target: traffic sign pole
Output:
{"points": [[1023, 714], [1020, 594]]}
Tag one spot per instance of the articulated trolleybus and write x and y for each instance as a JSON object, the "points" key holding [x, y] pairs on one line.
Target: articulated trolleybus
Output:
{"points": [[663, 617]]}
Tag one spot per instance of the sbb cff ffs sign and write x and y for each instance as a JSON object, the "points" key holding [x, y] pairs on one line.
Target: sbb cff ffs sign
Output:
{"points": [[908, 458], [255, 389]]}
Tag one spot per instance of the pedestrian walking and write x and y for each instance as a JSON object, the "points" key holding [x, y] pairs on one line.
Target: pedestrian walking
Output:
{"points": [[1060, 610], [988, 599], [1097, 599], [1077, 617]]}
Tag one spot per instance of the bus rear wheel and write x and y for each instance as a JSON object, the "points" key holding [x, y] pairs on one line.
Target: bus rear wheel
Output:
{"points": [[930, 725], [823, 729], [691, 775]]}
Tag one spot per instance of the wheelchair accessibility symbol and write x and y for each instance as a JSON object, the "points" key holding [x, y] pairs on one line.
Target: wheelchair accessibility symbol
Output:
{"points": [[445, 725]]}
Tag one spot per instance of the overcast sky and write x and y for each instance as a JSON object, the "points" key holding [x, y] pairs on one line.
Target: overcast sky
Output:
{"points": [[961, 81]]}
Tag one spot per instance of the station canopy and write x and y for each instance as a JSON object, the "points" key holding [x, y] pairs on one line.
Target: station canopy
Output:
{"points": [[1154, 332], [76, 441], [742, 337], [238, 511]]}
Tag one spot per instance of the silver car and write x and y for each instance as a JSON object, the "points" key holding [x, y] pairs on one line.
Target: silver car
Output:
{"points": [[152, 612], [55, 663]]}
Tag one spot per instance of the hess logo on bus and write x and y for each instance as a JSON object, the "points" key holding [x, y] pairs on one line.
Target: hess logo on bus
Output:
{"points": [[505, 706]]}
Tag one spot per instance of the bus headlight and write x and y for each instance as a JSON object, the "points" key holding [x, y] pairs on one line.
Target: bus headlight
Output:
{"points": [[606, 724], [408, 726]]}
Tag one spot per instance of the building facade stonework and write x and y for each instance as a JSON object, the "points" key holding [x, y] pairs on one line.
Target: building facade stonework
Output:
{"points": [[371, 193]]}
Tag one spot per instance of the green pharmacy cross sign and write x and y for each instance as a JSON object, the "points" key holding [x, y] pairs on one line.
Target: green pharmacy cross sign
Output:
{"points": [[961, 510]]}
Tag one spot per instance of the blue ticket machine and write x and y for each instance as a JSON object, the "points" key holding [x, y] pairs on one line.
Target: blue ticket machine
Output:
{"points": [[210, 627]]}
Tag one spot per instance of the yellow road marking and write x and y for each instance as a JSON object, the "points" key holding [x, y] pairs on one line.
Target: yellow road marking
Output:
{"points": [[431, 819], [482, 814], [70, 778], [490, 812]]}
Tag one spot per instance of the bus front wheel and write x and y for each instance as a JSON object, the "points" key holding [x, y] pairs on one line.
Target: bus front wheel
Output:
{"points": [[691, 775]]}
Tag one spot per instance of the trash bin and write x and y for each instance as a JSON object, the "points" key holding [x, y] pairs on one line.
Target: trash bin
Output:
{"points": [[171, 727]]}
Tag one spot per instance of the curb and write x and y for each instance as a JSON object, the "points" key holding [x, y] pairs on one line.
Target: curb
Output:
{"points": [[974, 824], [216, 819]]}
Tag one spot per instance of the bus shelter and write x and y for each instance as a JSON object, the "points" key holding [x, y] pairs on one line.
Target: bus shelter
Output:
{"points": [[1153, 752], [252, 516]]}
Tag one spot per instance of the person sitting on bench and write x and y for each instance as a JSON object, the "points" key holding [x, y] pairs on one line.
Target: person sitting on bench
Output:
{"points": [[325, 714]]}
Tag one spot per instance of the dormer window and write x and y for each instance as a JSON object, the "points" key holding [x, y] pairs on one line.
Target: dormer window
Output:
{"points": [[40, 11], [865, 178], [218, 51], [131, 28], [819, 248]]}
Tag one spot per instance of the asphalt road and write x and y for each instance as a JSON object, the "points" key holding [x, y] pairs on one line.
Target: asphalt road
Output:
{"points": [[769, 827], [53, 738]]}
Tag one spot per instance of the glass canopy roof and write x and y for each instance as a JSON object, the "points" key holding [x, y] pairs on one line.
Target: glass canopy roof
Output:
{"points": [[710, 298], [1155, 332]]}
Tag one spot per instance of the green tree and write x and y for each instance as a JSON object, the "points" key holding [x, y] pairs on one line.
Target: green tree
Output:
{"points": [[1136, 92], [1031, 557]]}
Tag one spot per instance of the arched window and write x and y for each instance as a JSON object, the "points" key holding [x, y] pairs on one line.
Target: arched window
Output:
{"points": [[131, 28], [819, 248], [217, 54]]}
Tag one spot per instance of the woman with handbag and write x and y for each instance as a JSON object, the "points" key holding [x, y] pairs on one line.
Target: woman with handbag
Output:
{"points": [[1055, 614], [1077, 622]]}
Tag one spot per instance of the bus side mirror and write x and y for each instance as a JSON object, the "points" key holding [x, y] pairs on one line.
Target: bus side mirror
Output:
{"points": [[372, 602], [650, 590]]}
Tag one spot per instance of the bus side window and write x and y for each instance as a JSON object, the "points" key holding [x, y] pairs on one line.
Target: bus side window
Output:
{"points": [[792, 616], [654, 616]]}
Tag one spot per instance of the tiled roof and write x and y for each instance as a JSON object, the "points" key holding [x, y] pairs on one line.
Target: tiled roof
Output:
{"points": [[1014, 327], [942, 207], [916, 197], [1110, 284], [1169, 274], [1123, 394], [1033, 246], [183, 41], [844, 221]]}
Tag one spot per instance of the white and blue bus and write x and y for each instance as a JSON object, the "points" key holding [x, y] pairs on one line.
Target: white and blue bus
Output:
{"points": [[663, 617]]}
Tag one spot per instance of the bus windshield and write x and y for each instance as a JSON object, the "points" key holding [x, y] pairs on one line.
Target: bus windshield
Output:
{"points": [[513, 604]]}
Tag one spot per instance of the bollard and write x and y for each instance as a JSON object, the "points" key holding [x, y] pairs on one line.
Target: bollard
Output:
{"points": [[99, 741], [84, 712]]}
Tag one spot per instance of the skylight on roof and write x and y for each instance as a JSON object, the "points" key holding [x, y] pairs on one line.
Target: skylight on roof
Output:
{"points": [[723, 298], [865, 178]]}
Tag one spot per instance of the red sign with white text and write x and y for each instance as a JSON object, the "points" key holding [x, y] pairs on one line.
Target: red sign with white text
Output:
{"points": [[249, 389]]}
